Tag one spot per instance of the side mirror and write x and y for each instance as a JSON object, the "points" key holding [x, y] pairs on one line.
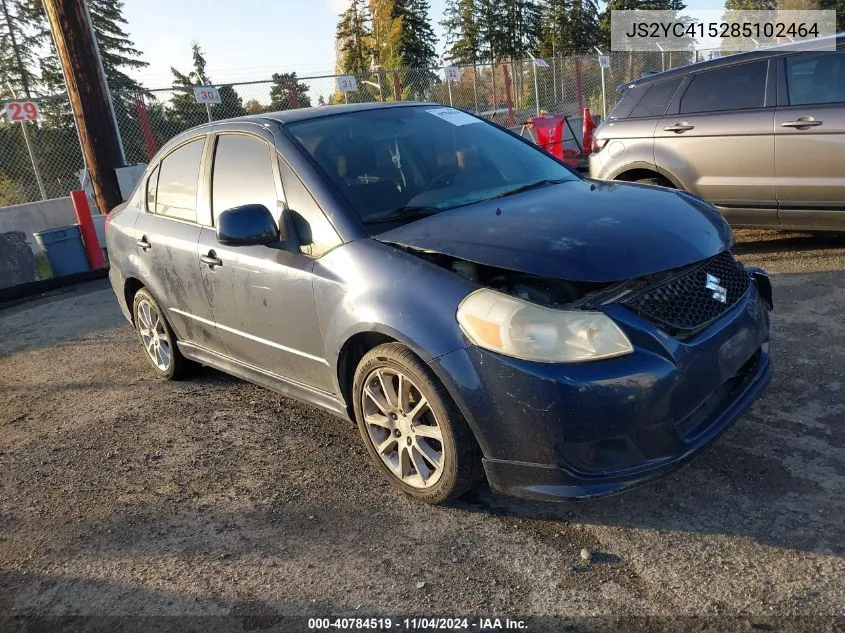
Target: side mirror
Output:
{"points": [[247, 225]]}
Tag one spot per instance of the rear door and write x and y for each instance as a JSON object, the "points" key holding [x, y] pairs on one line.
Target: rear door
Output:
{"points": [[810, 139], [262, 297], [717, 140], [166, 235]]}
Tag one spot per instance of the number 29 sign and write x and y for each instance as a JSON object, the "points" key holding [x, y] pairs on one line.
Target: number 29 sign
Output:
{"points": [[22, 111]]}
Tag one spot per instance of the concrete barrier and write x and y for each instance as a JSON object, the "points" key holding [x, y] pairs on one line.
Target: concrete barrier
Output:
{"points": [[39, 216]]}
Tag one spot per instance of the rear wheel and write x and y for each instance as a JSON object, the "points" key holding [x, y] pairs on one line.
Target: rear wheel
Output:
{"points": [[412, 429], [157, 338]]}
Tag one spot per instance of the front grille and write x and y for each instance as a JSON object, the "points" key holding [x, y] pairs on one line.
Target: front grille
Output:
{"points": [[684, 304]]}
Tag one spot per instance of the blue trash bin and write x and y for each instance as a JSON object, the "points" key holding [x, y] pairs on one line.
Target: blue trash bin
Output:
{"points": [[64, 250]]}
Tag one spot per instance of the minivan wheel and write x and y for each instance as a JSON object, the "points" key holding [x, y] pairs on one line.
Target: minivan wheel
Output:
{"points": [[157, 338], [412, 429]]}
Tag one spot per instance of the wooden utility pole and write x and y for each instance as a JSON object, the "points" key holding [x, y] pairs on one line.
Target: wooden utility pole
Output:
{"points": [[88, 97]]}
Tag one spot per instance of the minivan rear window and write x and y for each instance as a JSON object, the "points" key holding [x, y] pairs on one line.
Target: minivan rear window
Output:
{"points": [[657, 99], [630, 98]]}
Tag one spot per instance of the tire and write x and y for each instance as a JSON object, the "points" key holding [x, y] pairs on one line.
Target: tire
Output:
{"points": [[160, 349], [655, 181], [409, 441]]}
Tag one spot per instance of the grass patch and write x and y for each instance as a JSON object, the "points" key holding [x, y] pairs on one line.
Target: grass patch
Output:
{"points": [[42, 266]]}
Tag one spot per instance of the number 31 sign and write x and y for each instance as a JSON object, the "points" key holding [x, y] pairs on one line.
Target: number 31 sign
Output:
{"points": [[22, 111]]}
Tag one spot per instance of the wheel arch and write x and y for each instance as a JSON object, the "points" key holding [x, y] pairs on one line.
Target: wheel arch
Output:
{"points": [[355, 347], [636, 170], [131, 286]]}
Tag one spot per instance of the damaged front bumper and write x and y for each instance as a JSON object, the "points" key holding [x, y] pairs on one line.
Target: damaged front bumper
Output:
{"points": [[580, 430]]}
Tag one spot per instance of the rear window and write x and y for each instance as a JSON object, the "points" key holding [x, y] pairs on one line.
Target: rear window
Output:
{"points": [[740, 87], [630, 98], [657, 99]]}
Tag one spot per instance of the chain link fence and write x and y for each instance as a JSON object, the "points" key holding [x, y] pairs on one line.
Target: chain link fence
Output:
{"points": [[507, 92]]}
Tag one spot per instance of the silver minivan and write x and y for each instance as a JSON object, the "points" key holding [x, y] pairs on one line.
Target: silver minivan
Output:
{"points": [[761, 135]]}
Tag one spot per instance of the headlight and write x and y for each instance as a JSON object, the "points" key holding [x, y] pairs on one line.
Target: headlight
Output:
{"points": [[511, 326]]}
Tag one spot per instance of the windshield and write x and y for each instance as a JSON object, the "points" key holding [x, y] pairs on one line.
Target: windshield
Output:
{"points": [[400, 164]]}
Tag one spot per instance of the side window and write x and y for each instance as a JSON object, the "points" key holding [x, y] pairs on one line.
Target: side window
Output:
{"points": [[152, 187], [177, 182], [657, 99], [313, 228], [628, 100], [740, 87], [243, 174], [816, 78]]}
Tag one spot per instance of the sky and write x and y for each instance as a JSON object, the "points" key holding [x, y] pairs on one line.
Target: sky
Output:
{"points": [[249, 40], [243, 40]]}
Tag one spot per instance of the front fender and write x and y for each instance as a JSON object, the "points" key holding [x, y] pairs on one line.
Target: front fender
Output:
{"points": [[367, 286]]}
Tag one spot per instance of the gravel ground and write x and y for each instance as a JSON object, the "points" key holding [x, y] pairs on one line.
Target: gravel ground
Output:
{"points": [[124, 495]]}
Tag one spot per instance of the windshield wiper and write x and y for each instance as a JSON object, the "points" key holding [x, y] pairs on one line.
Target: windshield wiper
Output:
{"points": [[533, 185], [402, 213]]}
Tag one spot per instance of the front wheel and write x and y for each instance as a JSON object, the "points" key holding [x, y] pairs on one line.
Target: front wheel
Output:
{"points": [[412, 429]]}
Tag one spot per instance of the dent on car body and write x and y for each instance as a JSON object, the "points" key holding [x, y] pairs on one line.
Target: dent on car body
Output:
{"points": [[576, 231]]}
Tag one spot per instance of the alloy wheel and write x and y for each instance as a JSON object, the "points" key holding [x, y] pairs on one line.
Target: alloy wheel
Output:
{"points": [[153, 334], [403, 428]]}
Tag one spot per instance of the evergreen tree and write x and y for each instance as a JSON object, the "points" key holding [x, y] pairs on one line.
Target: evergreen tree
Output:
{"points": [[354, 39], [280, 93], [490, 20], [750, 5], [554, 30], [117, 51], [462, 36], [253, 106], [520, 29], [583, 28], [416, 37], [184, 109], [839, 7], [386, 31], [19, 43]]}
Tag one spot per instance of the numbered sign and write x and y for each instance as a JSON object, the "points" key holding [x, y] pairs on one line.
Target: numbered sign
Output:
{"points": [[453, 73], [22, 111], [604, 61], [206, 94], [346, 83]]}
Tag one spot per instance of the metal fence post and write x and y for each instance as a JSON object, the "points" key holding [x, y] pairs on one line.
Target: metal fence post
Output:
{"points": [[475, 83], [35, 169], [30, 150]]}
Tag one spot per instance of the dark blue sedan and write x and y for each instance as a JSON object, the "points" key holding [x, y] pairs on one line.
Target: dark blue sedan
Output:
{"points": [[473, 305]]}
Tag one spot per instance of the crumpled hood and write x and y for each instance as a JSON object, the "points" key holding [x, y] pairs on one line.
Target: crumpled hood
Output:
{"points": [[580, 231]]}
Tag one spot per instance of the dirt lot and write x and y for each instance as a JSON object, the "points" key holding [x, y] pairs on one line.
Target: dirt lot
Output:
{"points": [[120, 494]]}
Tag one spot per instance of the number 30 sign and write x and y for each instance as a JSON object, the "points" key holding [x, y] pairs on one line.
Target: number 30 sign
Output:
{"points": [[22, 111]]}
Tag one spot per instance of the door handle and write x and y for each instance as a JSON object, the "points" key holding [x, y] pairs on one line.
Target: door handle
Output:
{"points": [[803, 123], [679, 127], [211, 260], [143, 244]]}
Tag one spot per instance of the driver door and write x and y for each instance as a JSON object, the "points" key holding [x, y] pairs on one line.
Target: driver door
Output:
{"points": [[262, 297]]}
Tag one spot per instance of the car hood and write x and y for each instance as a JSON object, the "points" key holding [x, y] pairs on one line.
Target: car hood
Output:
{"points": [[579, 231]]}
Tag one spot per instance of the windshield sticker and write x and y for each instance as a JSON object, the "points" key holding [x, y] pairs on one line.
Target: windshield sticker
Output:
{"points": [[455, 117]]}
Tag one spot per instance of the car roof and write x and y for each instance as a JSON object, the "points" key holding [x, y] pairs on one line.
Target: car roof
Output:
{"points": [[737, 58], [305, 114]]}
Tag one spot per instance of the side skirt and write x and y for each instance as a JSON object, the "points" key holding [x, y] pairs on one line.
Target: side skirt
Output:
{"points": [[274, 382]]}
